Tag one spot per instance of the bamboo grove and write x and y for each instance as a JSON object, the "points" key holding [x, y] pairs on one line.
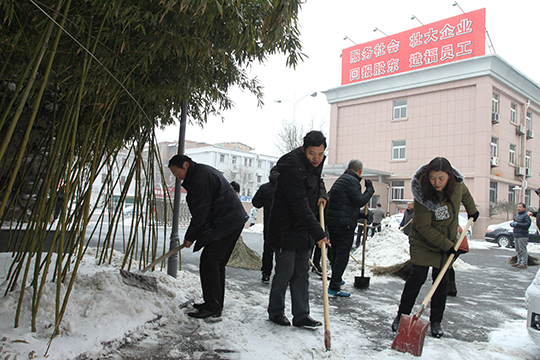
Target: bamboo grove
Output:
{"points": [[83, 86]]}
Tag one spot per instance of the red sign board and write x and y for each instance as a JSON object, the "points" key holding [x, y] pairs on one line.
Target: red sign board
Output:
{"points": [[456, 38]]}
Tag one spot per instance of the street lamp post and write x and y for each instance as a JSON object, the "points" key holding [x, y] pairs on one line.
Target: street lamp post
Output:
{"points": [[295, 103]]}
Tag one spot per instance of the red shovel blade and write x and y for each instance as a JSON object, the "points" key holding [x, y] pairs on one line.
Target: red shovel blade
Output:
{"points": [[410, 335]]}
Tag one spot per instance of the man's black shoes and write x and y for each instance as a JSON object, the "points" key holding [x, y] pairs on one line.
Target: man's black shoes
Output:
{"points": [[204, 313], [395, 324], [280, 320], [436, 330], [307, 322]]}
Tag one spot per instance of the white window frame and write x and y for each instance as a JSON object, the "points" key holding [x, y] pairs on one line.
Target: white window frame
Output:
{"points": [[398, 149], [513, 113], [398, 190], [527, 197], [493, 185], [259, 163], [495, 103], [494, 146], [400, 109], [528, 120], [222, 158], [234, 160], [528, 160], [512, 154], [511, 194]]}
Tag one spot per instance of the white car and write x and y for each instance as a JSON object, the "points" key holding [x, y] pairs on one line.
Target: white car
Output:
{"points": [[532, 301]]}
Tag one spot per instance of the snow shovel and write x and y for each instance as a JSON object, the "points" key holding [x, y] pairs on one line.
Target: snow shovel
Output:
{"points": [[147, 282], [412, 330], [362, 282], [407, 224], [325, 285]]}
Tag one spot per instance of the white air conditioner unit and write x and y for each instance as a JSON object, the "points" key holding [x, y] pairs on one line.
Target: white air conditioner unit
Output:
{"points": [[530, 134], [520, 130], [495, 118], [494, 161], [528, 172], [520, 171]]}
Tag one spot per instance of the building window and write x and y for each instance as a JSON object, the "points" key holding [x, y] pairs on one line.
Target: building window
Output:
{"points": [[513, 113], [495, 103], [528, 168], [259, 164], [494, 145], [511, 194], [528, 120], [400, 109], [398, 190], [234, 160], [221, 158], [512, 154], [375, 199], [398, 149], [248, 162], [528, 197], [259, 179], [492, 191]]}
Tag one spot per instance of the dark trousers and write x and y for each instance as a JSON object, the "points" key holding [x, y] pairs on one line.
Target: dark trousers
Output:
{"points": [[317, 257], [341, 239], [416, 279], [267, 258], [212, 264], [292, 270]]}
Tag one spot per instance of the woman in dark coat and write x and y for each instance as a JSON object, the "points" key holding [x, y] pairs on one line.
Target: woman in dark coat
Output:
{"points": [[438, 191]]}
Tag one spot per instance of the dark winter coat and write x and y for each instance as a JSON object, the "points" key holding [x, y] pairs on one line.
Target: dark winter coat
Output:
{"points": [[216, 210], [407, 216], [264, 198], [294, 223], [435, 225], [345, 200], [521, 225]]}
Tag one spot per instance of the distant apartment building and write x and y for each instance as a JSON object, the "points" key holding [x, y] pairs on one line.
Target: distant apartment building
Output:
{"points": [[480, 113], [236, 161]]}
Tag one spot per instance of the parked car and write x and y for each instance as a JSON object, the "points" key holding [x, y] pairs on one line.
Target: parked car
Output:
{"points": [[532, 301], [463, 222], [503, 234]]}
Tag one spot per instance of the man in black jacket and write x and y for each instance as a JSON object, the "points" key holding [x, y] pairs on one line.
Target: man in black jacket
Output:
{"points": [[294, 228], [521, 225], [264, 198], [405, 224], [344, 203], [217, 219]]}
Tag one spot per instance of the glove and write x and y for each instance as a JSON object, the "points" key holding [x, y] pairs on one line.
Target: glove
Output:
{"points": [[513, 223], [451, 251], [475, 216], [368, 183]]}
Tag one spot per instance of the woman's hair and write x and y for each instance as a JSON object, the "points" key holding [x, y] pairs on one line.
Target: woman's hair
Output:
{"points": [[438, 164]]}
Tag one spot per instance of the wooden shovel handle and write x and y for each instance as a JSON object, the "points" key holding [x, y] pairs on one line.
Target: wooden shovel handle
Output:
{"points": [[325, 285], [163, 257], [443, 270]]}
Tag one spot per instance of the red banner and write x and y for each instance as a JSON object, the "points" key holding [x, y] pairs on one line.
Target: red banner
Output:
{"points": [[456, 38]]}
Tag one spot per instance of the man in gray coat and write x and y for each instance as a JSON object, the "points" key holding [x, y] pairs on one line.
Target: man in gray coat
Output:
{"points": [[521, 226], [378, 216]]}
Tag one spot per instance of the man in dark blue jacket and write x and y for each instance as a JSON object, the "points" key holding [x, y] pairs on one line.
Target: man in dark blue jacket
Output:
{"points": [[217, 219], [294, 228], [264, 198], [521, 225], [344, 203]]}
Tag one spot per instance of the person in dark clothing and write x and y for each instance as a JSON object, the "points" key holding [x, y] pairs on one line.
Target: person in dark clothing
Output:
{"points": [[405, 224], [294, 228], [438, 190], [264, 198], [521, 225], [361, 217], [344, 202], [217, 219]]}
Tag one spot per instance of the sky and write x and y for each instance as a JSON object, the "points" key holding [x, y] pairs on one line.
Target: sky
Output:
{"points": [[103, 313], [511, 26]]}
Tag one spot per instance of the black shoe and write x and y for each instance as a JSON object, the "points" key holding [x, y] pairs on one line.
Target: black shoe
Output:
{"points": [[265, 279], [307, 322], [205, 313], [395, 324], [436, 330], [199, 306], [280, 320]]}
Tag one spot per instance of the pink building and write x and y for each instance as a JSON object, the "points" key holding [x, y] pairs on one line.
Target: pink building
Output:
{"points": [[480, 113]]}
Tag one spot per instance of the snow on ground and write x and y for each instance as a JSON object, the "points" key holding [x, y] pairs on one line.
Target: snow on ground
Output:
{"points": [[103, 309]]}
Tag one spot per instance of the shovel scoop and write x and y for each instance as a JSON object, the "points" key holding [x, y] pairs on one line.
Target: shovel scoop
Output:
{"points": [[410, 335]]}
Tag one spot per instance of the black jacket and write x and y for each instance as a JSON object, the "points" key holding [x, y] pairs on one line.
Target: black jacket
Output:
{"points": [[405, 222], [345, 200], [294, 223], [521, 226], [216, 210], [264, 198]]}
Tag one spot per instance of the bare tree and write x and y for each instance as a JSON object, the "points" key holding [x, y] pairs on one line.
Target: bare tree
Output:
{"points": [[291, 134], [242, 175]]}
